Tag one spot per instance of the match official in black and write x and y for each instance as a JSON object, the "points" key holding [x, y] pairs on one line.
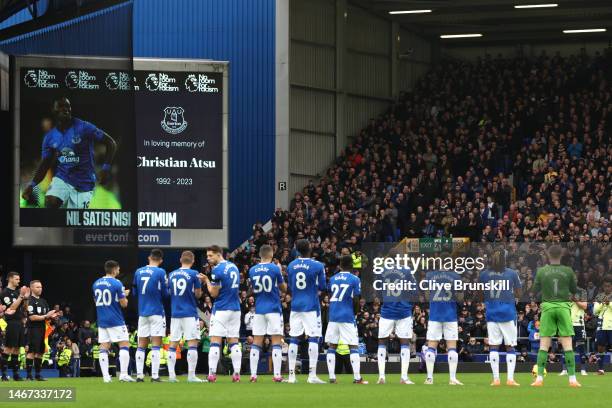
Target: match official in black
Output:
{"points": [[15, 300], [38, 312]]}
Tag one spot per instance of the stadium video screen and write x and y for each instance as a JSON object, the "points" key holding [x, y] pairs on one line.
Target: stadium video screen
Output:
{"points": [[107, 146]]}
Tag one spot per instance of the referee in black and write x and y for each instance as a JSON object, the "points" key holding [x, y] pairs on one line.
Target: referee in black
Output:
{"points": [[16, 301], [38, 312]]}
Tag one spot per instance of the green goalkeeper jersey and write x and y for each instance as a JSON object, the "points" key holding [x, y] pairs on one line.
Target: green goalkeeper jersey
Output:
{"points": [[556, 283]]}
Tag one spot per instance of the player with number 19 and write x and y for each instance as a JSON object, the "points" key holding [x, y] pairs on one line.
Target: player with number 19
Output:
{"points": [[185, 287], [110, 297], [223, 285], [345, 291], [150, 289], [306, 278], [266, 281]]}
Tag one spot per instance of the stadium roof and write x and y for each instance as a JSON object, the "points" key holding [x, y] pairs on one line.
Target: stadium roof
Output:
{"points": [[498, 20], [22, 16]]}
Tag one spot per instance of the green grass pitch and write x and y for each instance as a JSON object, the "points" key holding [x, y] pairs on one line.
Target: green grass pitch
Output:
{"points": [[91, 392]]}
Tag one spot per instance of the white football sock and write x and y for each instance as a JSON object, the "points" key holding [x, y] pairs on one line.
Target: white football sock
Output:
{"points": [[155, 354], [277, 359], [171, 362], [254, 360], [313, 358], [331, 363], [293, 350], [430, 361], [140, 360], [192, 361], [236, 353], [511, 363], [453, 360], [382, 360], [405, 361], [124, 360], [104, 363], [494, 360], [213, 358], [355, 363]]}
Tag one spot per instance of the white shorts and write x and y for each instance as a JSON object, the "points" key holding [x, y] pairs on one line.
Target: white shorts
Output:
{"points": [[402, 328], [113, 334], [151, 326], [269, 323], [502, 331], [308, 323], [184, 327], [69, 195], [225, 323], [345, 332], [438, 330]]}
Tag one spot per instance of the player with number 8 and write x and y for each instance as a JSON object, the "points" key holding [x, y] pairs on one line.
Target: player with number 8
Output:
{"points": [[306, 278]]}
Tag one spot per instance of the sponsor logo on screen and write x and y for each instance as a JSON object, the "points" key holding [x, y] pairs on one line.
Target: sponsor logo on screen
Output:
{"points": [[118, 81], [201, 83], [68, 156], [161, 82], [174, 121], [80, 79], [40, 78]]}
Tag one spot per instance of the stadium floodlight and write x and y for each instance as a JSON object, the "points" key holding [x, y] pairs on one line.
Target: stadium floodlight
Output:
{"points": [[585, 30], [410, 11], [531, 6], [461, 35]]}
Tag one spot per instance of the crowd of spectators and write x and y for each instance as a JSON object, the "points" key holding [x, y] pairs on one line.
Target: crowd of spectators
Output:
{"points": [[500, 150]]}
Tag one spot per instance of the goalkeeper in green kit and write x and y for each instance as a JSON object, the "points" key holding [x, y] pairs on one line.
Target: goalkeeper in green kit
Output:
{"points": [[557, 285]]}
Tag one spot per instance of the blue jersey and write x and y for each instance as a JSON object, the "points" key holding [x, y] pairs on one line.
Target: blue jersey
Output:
{"points": [[344, 286], [150, 288], [396, 310], [107, 292], [442, 302], [182, 284], [265, 278], [397, 304], [500, 303], [306, 278], [226, 275], [74, 152]]}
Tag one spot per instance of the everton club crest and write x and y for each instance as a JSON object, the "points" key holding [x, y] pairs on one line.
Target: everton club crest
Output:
{"points": [[174, 122]]}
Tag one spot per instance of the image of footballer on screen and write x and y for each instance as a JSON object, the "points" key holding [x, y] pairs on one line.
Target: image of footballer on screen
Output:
{"points": [[68, 150]]}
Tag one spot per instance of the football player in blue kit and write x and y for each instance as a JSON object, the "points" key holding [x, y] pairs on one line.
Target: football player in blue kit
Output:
{"points": [[185, 287], [442, 321], [69, 146], [501, 314], [224, 286], [150, 288], [345, 289], [110, 296], [306, 279], [267, 283]]}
